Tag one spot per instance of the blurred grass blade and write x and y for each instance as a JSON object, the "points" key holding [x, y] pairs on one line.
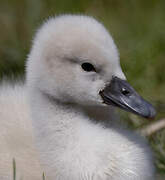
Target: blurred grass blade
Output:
{"points": [[14, 170], [43, 176]]}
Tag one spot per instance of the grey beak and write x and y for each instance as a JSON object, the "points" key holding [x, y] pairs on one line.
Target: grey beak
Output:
{"points": [[119, 93]]}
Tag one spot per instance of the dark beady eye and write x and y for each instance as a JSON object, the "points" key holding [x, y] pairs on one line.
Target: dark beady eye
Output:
{"points": [[88, 67]]}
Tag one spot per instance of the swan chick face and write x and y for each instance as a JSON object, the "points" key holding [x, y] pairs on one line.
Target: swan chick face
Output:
{"points": [[72, 59]]}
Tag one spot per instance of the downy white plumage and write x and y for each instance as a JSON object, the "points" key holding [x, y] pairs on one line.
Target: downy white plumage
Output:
{"points": [[73, 71]]}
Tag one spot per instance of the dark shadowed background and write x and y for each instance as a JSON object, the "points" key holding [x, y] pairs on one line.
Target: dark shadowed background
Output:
{"points": [[137, 26]]}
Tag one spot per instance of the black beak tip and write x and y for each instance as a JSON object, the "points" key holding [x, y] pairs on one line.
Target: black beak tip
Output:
{"points": [[152, 113]]}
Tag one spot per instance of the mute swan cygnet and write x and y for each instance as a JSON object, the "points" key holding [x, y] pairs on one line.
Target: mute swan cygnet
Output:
{"points": [[73, 74]]}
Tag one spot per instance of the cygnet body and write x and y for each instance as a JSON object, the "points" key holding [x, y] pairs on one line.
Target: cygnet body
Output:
{"points": [[73, 72]]}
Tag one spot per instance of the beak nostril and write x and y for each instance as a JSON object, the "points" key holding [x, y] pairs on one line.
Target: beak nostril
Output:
{"points": [[124, 91]]}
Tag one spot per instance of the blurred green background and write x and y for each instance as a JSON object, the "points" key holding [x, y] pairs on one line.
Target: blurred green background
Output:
{"points": [[137, 26]]}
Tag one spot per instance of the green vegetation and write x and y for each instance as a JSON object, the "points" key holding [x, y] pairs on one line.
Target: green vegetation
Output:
{"points": [[14, 170], [137, 26]]}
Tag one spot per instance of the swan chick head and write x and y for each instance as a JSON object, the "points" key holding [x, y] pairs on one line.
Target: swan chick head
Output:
{"points": [[74, 60], [73, 57]]}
